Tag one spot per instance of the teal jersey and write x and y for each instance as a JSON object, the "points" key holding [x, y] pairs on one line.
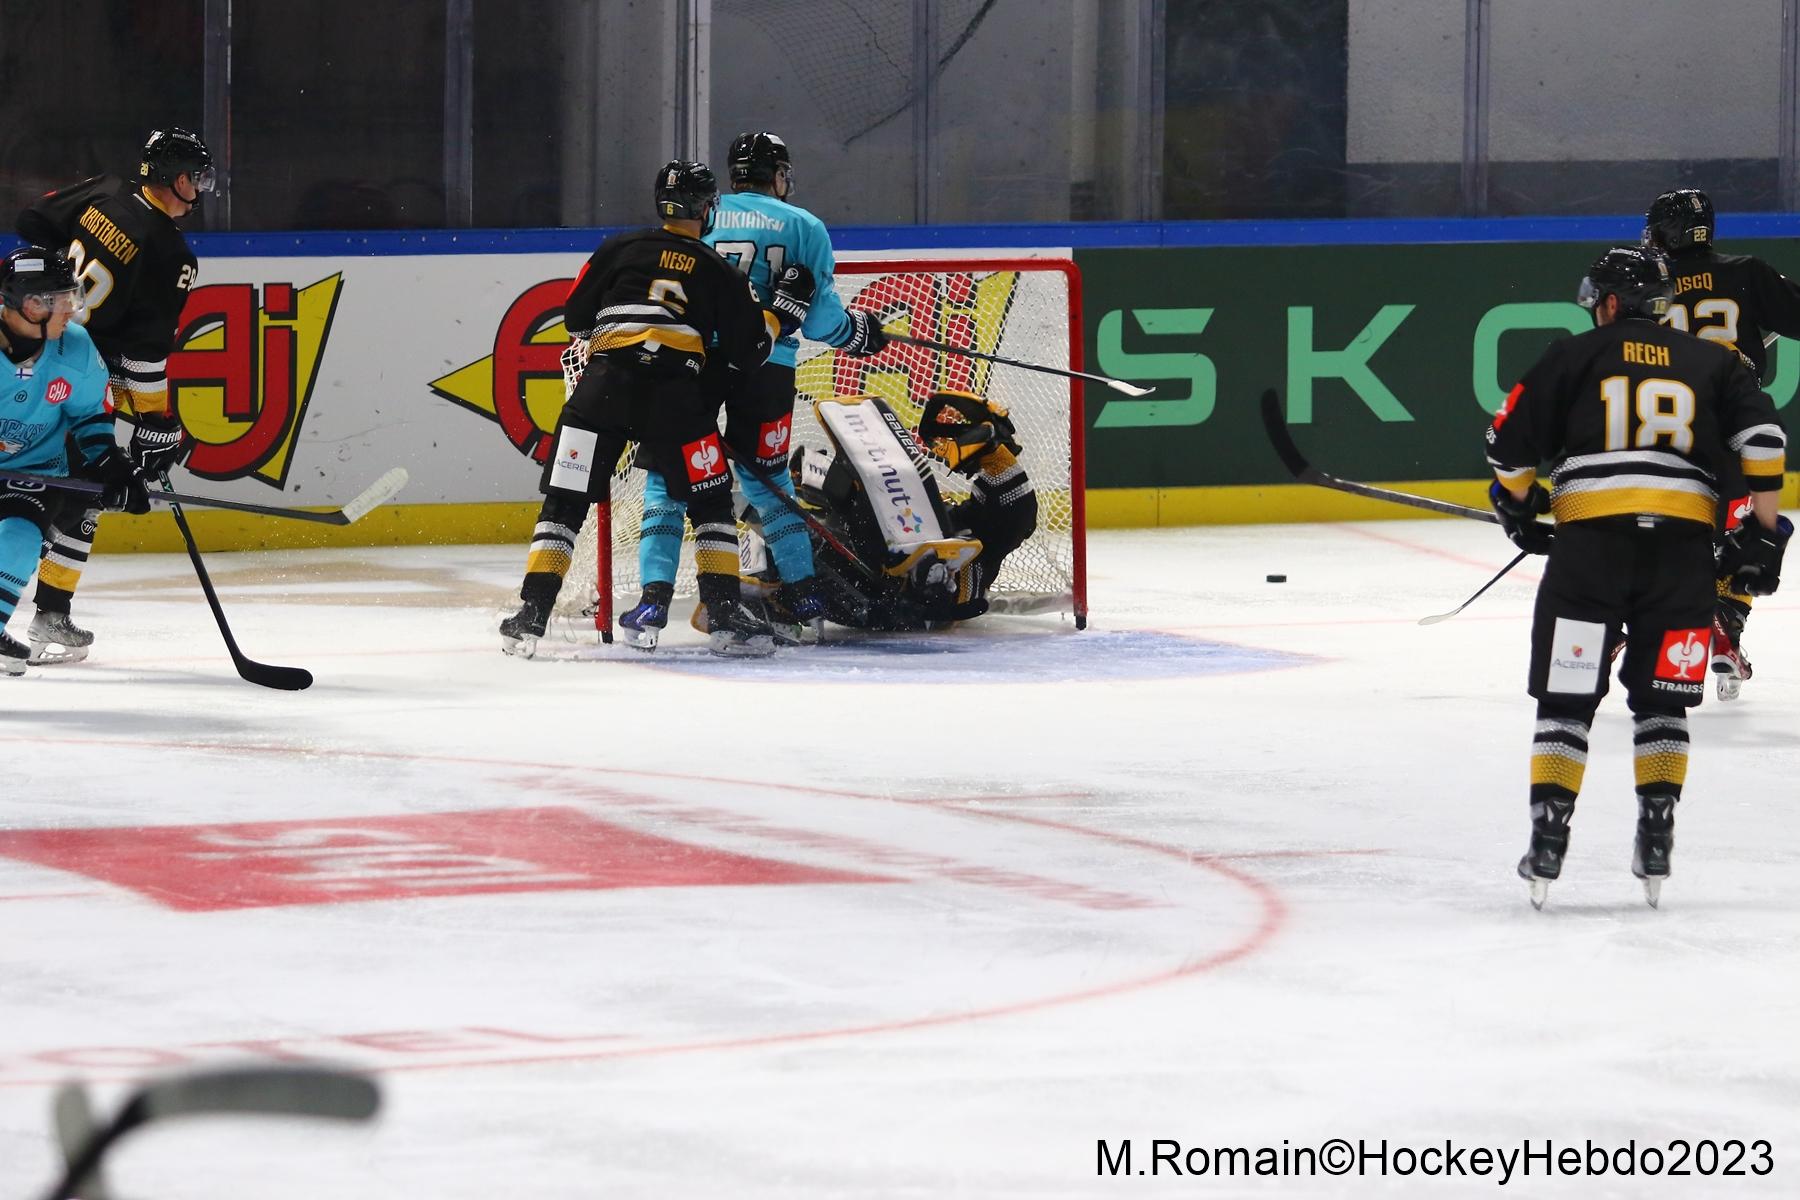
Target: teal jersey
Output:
{"points": [[759, 235], [61, 393]]}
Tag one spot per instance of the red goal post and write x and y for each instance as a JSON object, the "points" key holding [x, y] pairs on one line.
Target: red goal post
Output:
{"points": [[1025, 308]]}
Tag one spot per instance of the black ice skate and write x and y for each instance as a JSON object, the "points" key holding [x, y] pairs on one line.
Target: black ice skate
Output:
{"points": [[57, 639], [520, 632], [736, 632], [1655, 841], [799, 612], [1729, 665], [1549, 842], [644, 624], [13, 656]]}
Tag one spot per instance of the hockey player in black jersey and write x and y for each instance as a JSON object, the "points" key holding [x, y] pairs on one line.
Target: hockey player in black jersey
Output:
{"points": [[1638, 421], [657, 307], [131, 257], [1739, 301]]}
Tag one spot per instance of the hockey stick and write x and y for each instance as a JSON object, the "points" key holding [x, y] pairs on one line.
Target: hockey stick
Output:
{"points": [[273, 1091], [1275, 425], [376, 494], [1433, 620], [1117, 385], [73, 1113], [285, 679]]}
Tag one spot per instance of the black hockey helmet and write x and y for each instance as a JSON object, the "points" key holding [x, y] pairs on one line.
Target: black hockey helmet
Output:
{"points": [[1639, 278], [46, 276], [687, 191], [173, 152], [35, 273], [1678, 221], [755, 157]]}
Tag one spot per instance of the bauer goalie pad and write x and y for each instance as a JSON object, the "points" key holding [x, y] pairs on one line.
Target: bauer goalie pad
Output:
{"points": [[887, 471]]}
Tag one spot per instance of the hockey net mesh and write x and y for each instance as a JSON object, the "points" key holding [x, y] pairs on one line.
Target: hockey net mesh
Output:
{"points": [[1017, 309]]}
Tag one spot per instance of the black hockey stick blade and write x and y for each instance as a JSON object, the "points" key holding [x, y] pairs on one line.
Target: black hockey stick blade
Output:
{"points": [[76, 1126], [1117, 385], [376, 494], [1276, 427], [300, 1091], [283, 679], [296, 1091], [1501, 574]]}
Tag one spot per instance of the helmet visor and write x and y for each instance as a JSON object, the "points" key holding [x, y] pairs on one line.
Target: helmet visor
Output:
{"points": [[1587, 295], [68, 302], [204, 178]]}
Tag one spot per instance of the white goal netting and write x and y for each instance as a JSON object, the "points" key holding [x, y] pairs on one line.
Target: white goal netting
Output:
{"points": [[1026, 309]]}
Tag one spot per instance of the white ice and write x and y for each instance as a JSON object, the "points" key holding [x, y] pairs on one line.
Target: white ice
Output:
{"points": [[906, 917]]}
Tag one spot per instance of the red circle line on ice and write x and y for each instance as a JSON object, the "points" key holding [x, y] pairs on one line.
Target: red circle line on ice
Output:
{"points": [[1270, 912]]}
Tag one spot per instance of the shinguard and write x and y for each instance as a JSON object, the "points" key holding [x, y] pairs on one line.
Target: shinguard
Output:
{"points": [[19, 543], [789, 543], [659, 532], [65, 557], [546, 562]]}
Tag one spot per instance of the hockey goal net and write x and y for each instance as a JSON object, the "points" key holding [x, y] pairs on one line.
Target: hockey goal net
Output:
{"points": [[1028, 309]]}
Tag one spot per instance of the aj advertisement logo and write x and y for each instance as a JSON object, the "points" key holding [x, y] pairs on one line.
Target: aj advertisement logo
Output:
{"points": [[520, 385], [243, 370]]}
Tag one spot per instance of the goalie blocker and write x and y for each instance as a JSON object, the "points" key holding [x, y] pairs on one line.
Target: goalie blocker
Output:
{"points": [[924, 563]]}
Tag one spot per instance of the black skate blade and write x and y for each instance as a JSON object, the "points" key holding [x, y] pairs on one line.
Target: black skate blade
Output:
{"points": [[1653, 892], [1540, 892]]}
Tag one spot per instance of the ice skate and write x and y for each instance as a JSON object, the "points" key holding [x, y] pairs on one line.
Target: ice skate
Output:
{"points": [[1543, 861], [799, 612], [735, 632], [643, 625], [13, 656], [520, 632], [1655, 842], [1728, 662], [57, 639]]}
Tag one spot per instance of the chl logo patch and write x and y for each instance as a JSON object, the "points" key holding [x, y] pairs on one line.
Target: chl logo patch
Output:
{"points": [[59, 390], [1684, 655], [705, 459], [774, 436]]}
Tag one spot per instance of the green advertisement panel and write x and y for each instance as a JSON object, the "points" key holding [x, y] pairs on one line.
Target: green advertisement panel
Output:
{"points": [[1390, 359]]}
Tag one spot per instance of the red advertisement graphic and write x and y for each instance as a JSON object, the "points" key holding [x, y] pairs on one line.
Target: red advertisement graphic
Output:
{"points": [[242, 373], [772, 438], [704, 459], [1684, 655], [205, 868]]}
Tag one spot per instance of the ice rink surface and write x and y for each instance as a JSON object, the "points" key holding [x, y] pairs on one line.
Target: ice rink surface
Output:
{"points": [[912, 916]]}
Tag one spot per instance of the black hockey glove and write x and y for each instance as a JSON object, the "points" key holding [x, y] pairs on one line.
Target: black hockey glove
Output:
{"points": [[1751, 556], [124, 489], [865, 335], [793, 297], [1520, 517], [156, 442]]}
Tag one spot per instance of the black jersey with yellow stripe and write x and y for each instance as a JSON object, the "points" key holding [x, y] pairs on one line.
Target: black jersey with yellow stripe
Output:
{"points": [[1734, 299], [661, 302], [1637, 418], [137, 268]]}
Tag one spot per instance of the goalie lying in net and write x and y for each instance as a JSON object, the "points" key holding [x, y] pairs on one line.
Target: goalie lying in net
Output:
{"points": [[921, 564]]}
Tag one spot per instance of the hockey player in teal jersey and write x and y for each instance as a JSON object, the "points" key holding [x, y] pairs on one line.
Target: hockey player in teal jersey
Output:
{"points": [[53, 388], [761, 233]]}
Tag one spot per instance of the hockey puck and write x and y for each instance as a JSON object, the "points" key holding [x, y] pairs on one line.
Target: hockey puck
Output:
{"points": [[1277, 578]]}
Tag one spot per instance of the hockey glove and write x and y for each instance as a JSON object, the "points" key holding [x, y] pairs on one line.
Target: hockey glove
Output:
{"points": [[793, 297], [1752, 556], [124, 489], [964, 449], [1520, 517], [156, 442], [866, 336]]}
